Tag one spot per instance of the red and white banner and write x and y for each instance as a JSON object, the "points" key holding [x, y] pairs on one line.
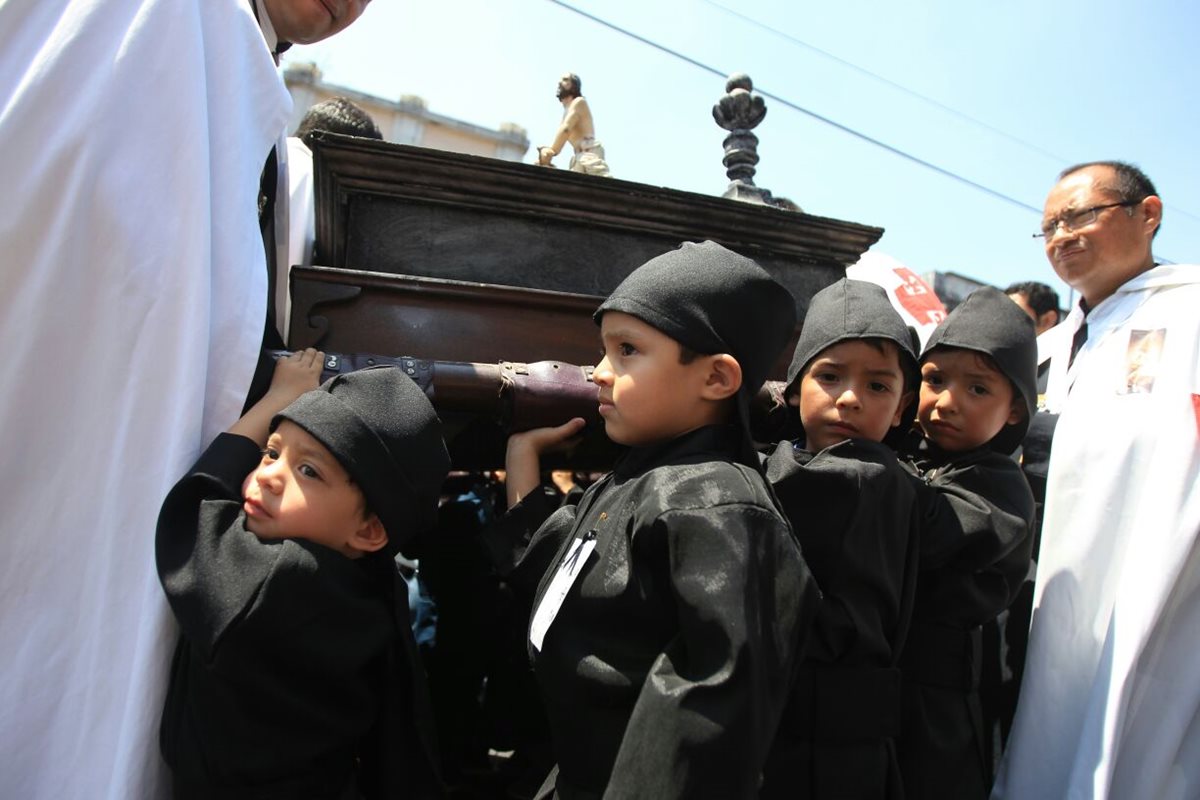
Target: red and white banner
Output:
{"points": [[910, 295]]}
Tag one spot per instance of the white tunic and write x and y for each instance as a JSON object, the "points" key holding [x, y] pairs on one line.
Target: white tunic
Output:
{"points": [[132, 290], [302, 226], [1110, 705]]}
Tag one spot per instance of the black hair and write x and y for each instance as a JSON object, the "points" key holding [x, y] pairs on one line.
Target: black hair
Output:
{"points": [[909, 371], [687, 355], [576, 84], [338, 115], [1041, 298], [886, 347], [1132, 186]]}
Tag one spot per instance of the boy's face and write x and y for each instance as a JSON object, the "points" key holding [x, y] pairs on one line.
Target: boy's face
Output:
{"points": [[300, 491], [964, 401], [851, 390], [646, 395]]}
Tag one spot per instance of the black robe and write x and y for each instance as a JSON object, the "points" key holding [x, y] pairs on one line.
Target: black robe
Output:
{"points": [[665, 669], [295, 674], [976, 541], [854, 510]]}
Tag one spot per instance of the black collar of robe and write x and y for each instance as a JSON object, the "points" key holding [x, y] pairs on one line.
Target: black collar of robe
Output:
{"points": [[280, 46], [723, 441], [927, 456]]}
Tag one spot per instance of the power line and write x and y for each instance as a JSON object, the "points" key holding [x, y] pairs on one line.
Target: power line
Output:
{"points": [[910, 92], [807, 112], [899, 87]]}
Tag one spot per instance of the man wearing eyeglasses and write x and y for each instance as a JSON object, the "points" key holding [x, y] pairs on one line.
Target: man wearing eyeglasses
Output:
{"points": [[1110, 704]]}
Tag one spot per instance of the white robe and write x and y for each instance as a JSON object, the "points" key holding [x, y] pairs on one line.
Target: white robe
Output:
{"points": [[302, 226], [1110, 704], [132, 292]]}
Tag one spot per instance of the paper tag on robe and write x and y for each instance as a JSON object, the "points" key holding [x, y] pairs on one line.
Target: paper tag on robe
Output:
{"points": [[1143, 361], [560, 584]]}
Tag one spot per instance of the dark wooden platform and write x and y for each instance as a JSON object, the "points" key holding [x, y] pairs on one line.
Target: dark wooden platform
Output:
{"points": [[448, 257], [355, 311], [398, 209]]}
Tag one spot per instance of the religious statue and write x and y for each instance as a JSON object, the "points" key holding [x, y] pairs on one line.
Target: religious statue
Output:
{"points": [[576, 128]]}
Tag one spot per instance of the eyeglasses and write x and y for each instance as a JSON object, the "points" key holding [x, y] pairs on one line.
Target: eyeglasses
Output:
{"points": [[1073, 220]]}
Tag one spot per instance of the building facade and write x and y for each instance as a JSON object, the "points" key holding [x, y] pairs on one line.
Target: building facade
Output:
{"points": [[407, 120], [951, 287]]}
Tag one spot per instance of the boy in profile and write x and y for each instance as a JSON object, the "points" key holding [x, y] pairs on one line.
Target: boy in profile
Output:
{"points": [[853, 379], [296, 674], [672, 600], [978, 389]]}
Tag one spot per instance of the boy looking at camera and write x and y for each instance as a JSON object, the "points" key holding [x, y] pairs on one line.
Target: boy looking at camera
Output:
{"points": [[853, 381], [978, 388], [295, 673], [672, 600]]}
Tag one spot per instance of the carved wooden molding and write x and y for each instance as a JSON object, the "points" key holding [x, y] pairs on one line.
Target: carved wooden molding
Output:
{"points": [[348, 168]]}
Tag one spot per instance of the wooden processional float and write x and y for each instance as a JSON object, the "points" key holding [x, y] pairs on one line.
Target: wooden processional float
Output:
{"points": [[485, 273]]}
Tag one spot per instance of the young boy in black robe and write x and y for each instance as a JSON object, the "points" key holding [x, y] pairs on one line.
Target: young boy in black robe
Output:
{"points": [[672, 600], [296, 674], [978, 388], [853, 379]]}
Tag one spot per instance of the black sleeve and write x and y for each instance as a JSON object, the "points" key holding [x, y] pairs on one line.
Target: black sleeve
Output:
{"points": [[709, 707], [979, 520], [210, 566], [1035, 464], [523, 542], [855, 515]]}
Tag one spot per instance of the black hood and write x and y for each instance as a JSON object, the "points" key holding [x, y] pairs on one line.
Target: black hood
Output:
{"points": [[382, 428], [989, 322], [712, 300], [851, 309]]}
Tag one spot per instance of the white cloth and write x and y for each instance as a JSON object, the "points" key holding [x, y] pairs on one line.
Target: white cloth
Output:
{"points": [[1054, 341], [302, 225], [132, 295], [1110, 703], [588, 158], [914, 301]]}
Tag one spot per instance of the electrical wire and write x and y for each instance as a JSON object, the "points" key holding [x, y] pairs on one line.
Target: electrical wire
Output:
{"points": [[1063, 162], [943, 171]]}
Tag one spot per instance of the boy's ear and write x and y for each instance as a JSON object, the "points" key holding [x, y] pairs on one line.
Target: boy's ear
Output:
{"points": [[1017, 412], [905, 401], [724, 377], [370, 537]]}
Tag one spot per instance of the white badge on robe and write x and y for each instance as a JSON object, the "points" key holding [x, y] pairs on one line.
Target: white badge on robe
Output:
{"points": [[552, 600], [1143, 361]]}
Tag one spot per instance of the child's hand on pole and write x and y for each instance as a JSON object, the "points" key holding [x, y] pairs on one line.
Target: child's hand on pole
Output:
{"points": [[294, 375], [522, 459]]}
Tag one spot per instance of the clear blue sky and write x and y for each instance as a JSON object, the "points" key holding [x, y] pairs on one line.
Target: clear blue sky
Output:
{"points": [[1070, 80]]}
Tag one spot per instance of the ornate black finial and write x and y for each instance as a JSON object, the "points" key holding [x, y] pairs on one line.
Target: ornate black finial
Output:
{"points": [[739, 111]]}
